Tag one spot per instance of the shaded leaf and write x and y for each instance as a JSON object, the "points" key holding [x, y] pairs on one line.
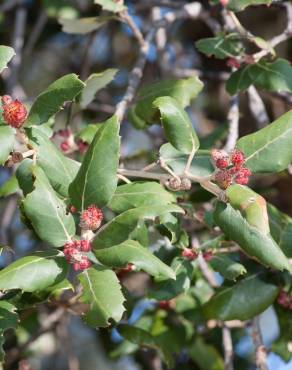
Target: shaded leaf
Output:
{"points": [[205, 356], [201, 165], [47, 213], [94, 83], [256, 244], [102, 292], [34, 273], [96, 180], [239, 5], [111, 5], [59, 169], [132, 252], [228, 268], [8, 320], [50, 101], [269, 149], [6, 142], [139, 194], [177, 125], [83, 26], [241, 301], [275, 76], [119, 228], [183, 91], [221, 46], [6, 54], [9, 187]]}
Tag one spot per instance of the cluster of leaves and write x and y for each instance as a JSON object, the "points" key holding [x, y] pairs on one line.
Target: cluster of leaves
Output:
{"points": [[50, 183]]}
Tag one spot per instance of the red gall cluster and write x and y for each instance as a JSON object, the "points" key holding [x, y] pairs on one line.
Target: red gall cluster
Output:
{"points": [[65, 140], [91, 218], [14, 112], [285, 299], [192, 255], [230, 168], [74, 252]]}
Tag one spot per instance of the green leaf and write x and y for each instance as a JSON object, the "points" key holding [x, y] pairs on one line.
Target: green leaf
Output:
{"points": [[83, 26], [166, 290], [144, 339], [239, 5], [205, 356], [139, 194], [6, 54], [119, 228], [132, 252], [256, 244], [59, 169], [8, 320], [269, 149], [34, 273], [177, 125], [183, 91], [24, 175], [241, 301], [88, 132], [94, 83], [96, 180], [281, 229], [102, 292], [6, 142], [252, 206], [47, 213], [111, 5], [201, 165], [9, 187], [228, 268], [275, 76], [221, 46], [50, 101]]}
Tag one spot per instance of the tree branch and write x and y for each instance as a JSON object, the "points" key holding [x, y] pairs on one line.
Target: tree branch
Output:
{"points": [[233, 123], [260, 350]]}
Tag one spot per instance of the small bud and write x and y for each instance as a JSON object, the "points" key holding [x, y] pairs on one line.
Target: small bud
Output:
{"points": [[189, 254], [65, 146], [208, 255], [233, 63], [242, 176], [64, 133], [224, 2], [6, 99], [237, 158], [85, 245], [14, 113], [217, 154], [91, 218], [222, 163], [84, 263], [124, 271], [174, 184], [164, 305], [73, 209], [223, 179], [186, 184], [82, 146]]}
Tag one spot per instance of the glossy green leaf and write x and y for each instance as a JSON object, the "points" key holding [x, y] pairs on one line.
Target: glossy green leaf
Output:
{"points": [[50, 101], [111, 5], [9, 187], [82, 26], [8, 320], [256, 244], [144, 339], [102, 293], [132, 252], [221, 46], [177, 125], [139, 194], [201, 165], [47, 213], [166, 290], [6, 142], [281, 229], [252, 206], [24, 175], [275, 76], [269, 149], [96, 180], [6, 54], [205, 356], [59, 169], [94, 83], [34, 273], [228, 268], [241, 301], [119, 228], [183, 91]]}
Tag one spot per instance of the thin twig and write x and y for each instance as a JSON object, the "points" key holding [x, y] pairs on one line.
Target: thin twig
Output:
{"points": [[257, 107], [233, 123], [125, 16], [260, 350], [228, 348]]}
